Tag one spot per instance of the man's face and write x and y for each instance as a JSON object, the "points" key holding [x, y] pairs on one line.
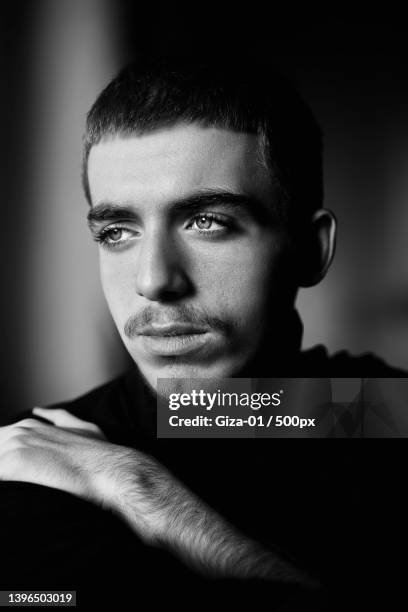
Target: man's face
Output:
{"points": [[191, 249]]}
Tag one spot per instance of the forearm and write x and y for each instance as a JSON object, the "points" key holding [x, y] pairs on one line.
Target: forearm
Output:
{"points": [[167, 514], [214, 547]]}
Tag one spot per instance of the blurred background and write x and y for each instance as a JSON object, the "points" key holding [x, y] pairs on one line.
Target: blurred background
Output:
{"points": [[58, 340]]}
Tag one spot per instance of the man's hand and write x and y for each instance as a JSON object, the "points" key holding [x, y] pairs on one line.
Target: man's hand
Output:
{"points": [[68, 454], [73, 455]]}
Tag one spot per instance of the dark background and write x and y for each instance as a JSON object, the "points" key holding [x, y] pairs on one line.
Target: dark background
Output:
{"points": [[57, 336]]}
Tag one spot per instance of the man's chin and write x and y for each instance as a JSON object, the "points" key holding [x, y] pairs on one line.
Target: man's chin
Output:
{"points": [[180, 374]]}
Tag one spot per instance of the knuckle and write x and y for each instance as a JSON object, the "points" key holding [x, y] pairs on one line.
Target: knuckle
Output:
{"points": [[29, 422], [17, 441], [18, 433], [15, 454], [18, 438]]}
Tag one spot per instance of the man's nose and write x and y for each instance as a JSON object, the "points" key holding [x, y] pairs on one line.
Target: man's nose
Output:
{"points": [[160, 274]]}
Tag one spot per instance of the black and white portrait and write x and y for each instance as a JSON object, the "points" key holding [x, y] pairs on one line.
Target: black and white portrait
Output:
{"points": [[202, 195]]}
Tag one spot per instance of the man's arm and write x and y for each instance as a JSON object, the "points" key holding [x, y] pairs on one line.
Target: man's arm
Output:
{"points": [[162, 511], [73, 455]]}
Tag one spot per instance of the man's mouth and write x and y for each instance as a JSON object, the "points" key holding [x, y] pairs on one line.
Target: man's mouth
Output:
{"points": [[170, 329], [172, 339]]}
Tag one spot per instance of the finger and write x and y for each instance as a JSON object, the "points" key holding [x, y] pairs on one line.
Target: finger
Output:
{"points": [[28, 423], [23, 432], [63, 418], [60, 417]]}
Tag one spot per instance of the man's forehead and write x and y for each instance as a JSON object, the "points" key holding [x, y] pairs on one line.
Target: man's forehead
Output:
{"points": [[174, 161]]}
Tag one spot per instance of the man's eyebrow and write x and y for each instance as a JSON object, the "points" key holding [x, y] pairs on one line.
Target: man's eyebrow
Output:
{"points": [[107, 211], [110, 212], [198, 201]]}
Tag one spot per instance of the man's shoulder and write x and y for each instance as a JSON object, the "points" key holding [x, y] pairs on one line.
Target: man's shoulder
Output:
{"points": [[91, 400], [121, 408], [317, 361], [110, 406]]}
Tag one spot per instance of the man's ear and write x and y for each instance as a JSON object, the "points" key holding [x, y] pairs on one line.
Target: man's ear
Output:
{"points": [[318, 248]]}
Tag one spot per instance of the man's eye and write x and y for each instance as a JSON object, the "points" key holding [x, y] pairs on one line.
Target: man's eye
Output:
{"points": [[114, 236], [204, 223], [209, 223]]}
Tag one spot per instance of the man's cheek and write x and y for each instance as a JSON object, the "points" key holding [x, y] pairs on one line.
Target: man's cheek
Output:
{"points": [[118, 294], [246, 287]]}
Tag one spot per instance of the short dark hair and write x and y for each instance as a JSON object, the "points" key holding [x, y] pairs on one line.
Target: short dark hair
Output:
{"points": [[149, 95]]}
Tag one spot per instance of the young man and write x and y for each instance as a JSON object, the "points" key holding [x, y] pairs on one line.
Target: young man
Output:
{"points": [[205, 193]]}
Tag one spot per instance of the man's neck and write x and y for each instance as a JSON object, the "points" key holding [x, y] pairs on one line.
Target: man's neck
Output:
{"points": [[280, 349]]}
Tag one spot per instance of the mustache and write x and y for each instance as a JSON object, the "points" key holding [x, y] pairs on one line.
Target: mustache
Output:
{"points": [[181, 314]]}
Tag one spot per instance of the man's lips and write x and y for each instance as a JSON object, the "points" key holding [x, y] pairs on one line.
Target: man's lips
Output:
{"points": [[173, 340], [171, 329]]}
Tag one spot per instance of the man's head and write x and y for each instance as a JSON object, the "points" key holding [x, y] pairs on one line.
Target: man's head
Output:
{"points": [[205, 186]]}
